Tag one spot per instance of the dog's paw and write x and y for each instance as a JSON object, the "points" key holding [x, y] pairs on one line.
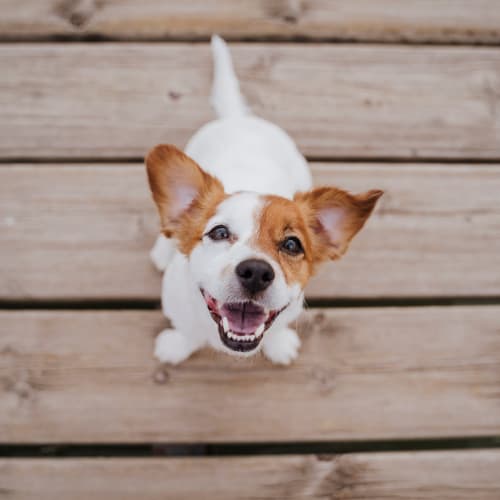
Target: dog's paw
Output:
{"points": [[172, 346], [162, 252], [281, 346]]}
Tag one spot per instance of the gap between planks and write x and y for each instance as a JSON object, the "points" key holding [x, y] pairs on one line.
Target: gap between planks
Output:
{"points": [[61, 450], [389, 21]]}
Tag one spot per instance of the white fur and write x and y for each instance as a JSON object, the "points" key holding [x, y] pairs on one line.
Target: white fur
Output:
{"points": [[162, 252], [247, 154], [226, 97], [282, 346]]}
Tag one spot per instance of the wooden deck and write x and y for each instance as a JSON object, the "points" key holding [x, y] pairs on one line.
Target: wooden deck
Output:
{"points": [[396, 393]]}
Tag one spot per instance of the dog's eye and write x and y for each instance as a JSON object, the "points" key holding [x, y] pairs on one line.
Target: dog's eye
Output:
{"points": [[219, 233], [292, 246]]}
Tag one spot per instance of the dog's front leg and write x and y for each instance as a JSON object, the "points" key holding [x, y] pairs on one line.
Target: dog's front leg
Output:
{"points": [[173, 346], [281, 346]]}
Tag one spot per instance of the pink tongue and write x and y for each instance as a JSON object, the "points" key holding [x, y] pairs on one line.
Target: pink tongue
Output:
{"points": [[243, 318]]}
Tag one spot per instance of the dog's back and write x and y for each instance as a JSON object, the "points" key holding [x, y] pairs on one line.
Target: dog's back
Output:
{"points": [[245, 152]]}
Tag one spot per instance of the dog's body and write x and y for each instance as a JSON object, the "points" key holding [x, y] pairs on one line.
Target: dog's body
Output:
{"points": [[230, 282]]}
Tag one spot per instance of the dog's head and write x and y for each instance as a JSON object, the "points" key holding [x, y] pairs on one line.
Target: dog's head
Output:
{"points": [[250, 255]]}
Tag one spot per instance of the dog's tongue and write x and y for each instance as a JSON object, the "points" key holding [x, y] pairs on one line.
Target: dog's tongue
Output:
{"points": [[243, 317]]}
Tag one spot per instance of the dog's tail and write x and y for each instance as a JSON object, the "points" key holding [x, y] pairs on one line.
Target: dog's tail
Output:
{"points": [[226, 96]]}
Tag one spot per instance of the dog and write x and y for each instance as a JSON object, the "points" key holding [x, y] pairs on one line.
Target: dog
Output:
{"points": [[242, 230]]}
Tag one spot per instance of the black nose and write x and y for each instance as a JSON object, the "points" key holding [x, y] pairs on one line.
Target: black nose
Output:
{"points": [[255, 275]]}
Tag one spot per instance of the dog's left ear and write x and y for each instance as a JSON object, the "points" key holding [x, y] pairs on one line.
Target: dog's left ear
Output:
{"points": [[334, 217], [180, 187]]}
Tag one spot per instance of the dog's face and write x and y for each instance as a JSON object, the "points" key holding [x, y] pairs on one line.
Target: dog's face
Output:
{"points": [[250, 255]]}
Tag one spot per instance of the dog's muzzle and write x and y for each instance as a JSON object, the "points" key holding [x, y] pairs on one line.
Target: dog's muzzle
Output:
{"points": [[241, 325]]}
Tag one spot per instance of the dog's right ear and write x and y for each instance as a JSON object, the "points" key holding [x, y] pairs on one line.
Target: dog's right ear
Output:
{"points": [[180, 187]]}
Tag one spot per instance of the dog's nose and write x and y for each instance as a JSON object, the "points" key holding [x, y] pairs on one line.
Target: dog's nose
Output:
{"points": [[255, 274]]}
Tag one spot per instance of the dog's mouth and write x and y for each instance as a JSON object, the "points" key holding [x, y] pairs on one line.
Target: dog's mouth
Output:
{"points": [[241, 324]]}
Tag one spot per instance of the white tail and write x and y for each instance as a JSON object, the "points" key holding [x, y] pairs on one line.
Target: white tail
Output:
{"points": [[226, 96]]}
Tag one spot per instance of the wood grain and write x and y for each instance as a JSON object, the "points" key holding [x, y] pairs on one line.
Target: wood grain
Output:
{"points": [[376, 373], [437, 21], [350, 101], [453, 475], [75, 232]]}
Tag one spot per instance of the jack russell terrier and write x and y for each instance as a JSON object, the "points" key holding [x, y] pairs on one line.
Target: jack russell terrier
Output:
{"points": [[242, 230]]}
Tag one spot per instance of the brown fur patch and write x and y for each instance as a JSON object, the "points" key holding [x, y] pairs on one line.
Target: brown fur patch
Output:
{"points": [[170, 171], [355, 210], [193, 223], [281, 218]]}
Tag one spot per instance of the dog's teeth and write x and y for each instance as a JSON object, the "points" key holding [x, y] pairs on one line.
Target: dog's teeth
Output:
{"points": [[241, 338], [260, 330], [225, 324]]}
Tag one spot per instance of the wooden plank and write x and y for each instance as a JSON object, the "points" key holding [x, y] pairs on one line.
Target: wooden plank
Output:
{"points": [[362, 101], [451, 475], [89, 376], [464, 21], [85, 231]]}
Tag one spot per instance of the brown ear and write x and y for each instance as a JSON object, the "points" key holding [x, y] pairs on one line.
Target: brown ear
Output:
{"points": [[334, 217], [179, 186]]}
